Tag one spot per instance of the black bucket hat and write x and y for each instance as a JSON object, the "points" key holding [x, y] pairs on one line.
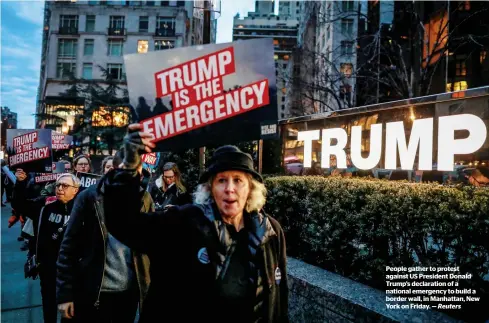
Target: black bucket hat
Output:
{"points": [[230, 158]]}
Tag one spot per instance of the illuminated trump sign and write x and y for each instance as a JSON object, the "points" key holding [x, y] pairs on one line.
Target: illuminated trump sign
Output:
{"points": [[421, 138]]}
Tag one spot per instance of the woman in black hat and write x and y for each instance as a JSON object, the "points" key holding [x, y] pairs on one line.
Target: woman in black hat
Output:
{"points": [[220, 259]]}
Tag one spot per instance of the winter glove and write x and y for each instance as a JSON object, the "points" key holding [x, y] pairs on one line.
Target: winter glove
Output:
{"points": [[133, 149], [12, 220]]}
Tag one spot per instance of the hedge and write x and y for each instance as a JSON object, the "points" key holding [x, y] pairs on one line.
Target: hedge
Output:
{"points": [[356, 227]]}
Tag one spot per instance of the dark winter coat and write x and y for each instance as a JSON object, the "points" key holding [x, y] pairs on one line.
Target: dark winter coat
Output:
{"points": [[81, 261], [183, 282], [50, 217], [172, 196]]}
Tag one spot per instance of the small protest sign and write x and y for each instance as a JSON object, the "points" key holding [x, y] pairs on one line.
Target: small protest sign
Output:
{"points": [[58, 168], [61, 141], [269, 130], [150, 161], [30, 149], [150, 158], [88, 179], [46, 177], [212, 94]]}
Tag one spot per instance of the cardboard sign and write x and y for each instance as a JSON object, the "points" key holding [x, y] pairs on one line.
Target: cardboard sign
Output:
{"points": [[61, 141], [212, 94], [88, 179], [30, 149]]}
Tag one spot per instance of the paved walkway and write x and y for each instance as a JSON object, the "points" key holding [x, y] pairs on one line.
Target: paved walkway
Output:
{"points": [[21, 298]]}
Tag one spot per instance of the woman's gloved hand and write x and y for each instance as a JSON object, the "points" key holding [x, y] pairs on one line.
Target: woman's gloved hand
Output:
{"points": [[136, 143]]}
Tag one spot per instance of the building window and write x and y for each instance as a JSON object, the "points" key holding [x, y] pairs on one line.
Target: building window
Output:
{"points": [[67, 48], [106, 117], [347, 27], [150, 3], [116, 22], [346, 48], [345, 93], [165, 23], [88, 47], [65, 70], [346, 69], [115, 48], [180, 3], [135, 3], [347, 6], [87, 71], [460, 68], [172, 3], [164, 44], [143, 24], [460, 86], [93, 2], [90, 23], [115, 71], [448, 87], [142, 46], [68, 22], [483, 56]]}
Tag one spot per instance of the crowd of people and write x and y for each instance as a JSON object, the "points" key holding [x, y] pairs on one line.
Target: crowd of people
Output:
{"points": [[103, 252]]}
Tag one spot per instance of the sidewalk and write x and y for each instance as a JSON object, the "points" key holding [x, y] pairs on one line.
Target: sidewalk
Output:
{"points": [[21, 298]]}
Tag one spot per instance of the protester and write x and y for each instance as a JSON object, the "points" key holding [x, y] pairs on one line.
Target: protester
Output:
{"points": [[220, 260], [82, 163], [29, 190], [107, 164], [99, 278], [4, 183], [315, 169], [168, 189], [479, 177], [50, 217]]}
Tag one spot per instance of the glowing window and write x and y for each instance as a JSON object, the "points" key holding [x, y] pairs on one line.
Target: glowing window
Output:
{"points": [[142, 46]]}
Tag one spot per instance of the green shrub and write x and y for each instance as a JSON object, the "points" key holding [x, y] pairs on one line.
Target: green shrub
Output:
{"points": [[357, 227]]}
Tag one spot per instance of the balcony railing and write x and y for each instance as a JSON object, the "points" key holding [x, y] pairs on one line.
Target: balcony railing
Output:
{"points": [[118, 31], [64, 30], [164, 32]]}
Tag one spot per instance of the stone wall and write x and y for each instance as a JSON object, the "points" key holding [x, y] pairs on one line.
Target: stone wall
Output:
{"points": [[317, 295]]}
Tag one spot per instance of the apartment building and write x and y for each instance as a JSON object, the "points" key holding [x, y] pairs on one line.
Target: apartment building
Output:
{"points": [[80, 36], [8, 121], [264, 23]]}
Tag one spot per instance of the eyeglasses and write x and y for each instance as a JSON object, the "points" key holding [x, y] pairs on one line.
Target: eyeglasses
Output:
{"points": [[63, 186]]}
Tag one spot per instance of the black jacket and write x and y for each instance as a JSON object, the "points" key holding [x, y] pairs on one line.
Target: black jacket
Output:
{"points": [[50, 218], [172, 196], [182, 285], [81, 261]]}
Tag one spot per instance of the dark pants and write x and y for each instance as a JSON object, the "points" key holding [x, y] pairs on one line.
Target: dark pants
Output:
{"points": [[116, 307], [47, 277]]}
